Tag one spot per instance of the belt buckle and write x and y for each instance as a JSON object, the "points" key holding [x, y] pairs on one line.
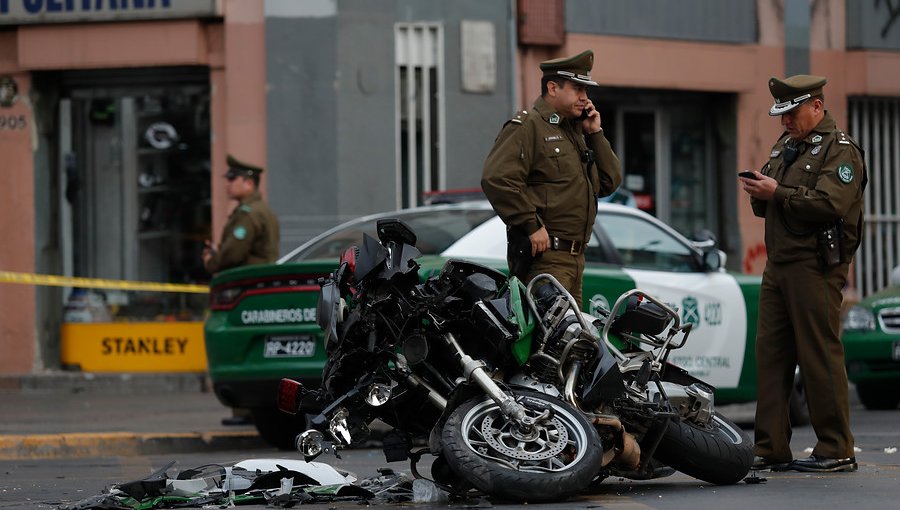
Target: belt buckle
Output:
{"points": [[575, 248]]}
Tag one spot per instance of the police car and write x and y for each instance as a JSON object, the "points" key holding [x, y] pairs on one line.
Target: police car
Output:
{"points": [[262, 323], [871, 337]]}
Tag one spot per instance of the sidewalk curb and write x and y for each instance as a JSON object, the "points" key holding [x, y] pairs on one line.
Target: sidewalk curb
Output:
{"points": [[108, 383], [80, 445]]}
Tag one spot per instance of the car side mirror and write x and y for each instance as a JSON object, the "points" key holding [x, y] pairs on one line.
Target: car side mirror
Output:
{"points": [[704, 239], [714, 260]]}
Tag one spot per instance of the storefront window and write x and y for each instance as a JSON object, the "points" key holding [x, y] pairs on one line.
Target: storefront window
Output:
{"points": [[135, 195]]}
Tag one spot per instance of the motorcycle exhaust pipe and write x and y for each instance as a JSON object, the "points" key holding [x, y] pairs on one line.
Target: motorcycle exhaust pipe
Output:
{"points": [[627, 452]]}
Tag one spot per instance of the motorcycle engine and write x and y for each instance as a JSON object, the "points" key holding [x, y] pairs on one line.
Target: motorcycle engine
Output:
{"points": [[566, 340]]}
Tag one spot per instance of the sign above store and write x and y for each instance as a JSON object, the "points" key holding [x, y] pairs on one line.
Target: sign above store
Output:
{"points": [[19, 12]]}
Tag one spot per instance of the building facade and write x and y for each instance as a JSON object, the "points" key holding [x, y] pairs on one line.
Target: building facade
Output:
{"points": [[116, 117]]}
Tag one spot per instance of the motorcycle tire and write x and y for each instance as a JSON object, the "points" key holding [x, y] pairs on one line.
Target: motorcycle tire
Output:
{"points": [[556, 459], [721, 453]]}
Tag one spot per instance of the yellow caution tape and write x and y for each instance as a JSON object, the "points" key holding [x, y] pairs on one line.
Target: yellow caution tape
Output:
{"points": [[97, 283]]}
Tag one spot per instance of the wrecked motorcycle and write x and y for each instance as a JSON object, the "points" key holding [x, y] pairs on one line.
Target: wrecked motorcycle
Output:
{"points": [[513, 389]]}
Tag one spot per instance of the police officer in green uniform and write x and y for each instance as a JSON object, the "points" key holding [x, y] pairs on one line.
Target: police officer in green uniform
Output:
{"points": [[810, 193], [251, 234], [545, 172]]}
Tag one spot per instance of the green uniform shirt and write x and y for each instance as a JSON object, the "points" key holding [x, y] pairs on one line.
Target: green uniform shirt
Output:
{"points": [[534, 176], [824, 184], [250, 236]]}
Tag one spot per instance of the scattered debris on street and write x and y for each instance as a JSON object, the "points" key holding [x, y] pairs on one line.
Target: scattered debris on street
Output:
{"points": [[273, 482]]}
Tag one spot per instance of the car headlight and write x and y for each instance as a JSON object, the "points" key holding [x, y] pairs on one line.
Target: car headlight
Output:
{"points": [[859, 319]]}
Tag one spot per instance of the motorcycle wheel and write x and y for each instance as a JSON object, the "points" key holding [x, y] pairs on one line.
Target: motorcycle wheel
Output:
{"points": [[557, 458], [721, 453]]}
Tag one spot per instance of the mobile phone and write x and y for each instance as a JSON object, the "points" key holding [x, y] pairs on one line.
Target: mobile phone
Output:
{"points": [[585, 113], [748, 174]]}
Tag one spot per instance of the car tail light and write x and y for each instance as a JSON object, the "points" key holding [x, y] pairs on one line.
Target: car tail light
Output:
{"points": [[227, 295], [289, 394]]}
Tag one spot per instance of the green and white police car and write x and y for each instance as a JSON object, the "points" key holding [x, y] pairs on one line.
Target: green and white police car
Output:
{"points": [[262, 323], [871, 337]]}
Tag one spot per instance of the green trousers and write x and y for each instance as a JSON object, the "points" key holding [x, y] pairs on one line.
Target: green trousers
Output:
{"points": [[564, 266], [799, 323]]}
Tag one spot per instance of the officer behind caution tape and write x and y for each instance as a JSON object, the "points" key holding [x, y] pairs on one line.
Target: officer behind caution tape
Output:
{"points": [[251, 234], [810, 193], [545, 172]]}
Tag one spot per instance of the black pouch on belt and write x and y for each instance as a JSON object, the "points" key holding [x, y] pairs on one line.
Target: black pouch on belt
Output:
{"points": [[518, 252], [828, 241]]}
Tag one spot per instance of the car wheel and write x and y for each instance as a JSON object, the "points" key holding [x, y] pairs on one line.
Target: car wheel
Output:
{"points": [[798, 410], [878, 397], [278, 428]]}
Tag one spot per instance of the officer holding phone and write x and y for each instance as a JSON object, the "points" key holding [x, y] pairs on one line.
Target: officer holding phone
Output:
{"points": [[545, 172], [810, 192]]}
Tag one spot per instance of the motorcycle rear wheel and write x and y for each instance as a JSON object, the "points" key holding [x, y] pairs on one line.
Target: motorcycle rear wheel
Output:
{"points": [[721, 453], [557, 458]]}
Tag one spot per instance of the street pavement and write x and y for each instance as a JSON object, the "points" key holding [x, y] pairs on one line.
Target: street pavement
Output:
{"points": [[73, 415], [58, 415]]}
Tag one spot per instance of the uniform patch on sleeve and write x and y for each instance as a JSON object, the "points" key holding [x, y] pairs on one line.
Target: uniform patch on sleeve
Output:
{"points": [[845, 173], [240, 232]]}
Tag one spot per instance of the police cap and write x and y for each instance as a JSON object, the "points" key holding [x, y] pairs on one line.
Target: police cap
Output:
{"points": [[237, 168], [577, 68], [791, 92]]}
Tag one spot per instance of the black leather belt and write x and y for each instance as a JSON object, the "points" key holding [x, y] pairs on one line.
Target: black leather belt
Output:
{"points": [[573, 247]]}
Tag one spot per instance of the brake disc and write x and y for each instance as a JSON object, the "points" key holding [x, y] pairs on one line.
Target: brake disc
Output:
{"points": [[545, 440]]}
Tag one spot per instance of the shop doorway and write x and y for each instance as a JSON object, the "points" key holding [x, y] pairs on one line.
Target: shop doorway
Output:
{"points": [[672, 146], [134, 178]]}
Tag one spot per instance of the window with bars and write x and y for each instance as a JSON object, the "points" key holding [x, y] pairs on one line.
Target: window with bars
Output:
{"points": [[420, 111], [875, 124]]}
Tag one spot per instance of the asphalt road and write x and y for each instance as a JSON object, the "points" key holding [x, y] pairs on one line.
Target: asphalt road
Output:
{"points": [[48, 483]]}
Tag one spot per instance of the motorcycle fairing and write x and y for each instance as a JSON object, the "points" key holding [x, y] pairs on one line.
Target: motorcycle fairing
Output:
{"points": [[522, 318], [327, 310], [371, 255]]}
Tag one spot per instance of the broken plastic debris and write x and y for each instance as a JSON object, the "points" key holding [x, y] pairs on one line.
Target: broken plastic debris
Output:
{"points": [[425, 491], [890, 449], [322, 473]]}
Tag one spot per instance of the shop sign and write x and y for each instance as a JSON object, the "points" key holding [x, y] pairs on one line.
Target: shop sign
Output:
{"points": [[19, 12], [134, 346]]}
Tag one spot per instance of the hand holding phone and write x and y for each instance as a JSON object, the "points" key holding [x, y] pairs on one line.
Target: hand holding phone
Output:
{"points": [[585, 113], [747, 174]]}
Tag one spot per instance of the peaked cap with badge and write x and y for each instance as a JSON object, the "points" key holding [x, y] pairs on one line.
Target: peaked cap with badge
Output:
{"points": [[237, 167], [577, 68], [791, 92]]}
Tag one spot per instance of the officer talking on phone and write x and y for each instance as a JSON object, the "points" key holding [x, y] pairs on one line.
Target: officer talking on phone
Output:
{"points": [[545, 172], [810, 192]]}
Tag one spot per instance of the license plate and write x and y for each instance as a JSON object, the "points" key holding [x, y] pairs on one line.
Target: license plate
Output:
{"points": [[896, 351], [290, 346]]}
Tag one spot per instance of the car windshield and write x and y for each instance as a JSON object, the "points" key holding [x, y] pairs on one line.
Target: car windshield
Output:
{"points": [[643, 245], [435, 231]]}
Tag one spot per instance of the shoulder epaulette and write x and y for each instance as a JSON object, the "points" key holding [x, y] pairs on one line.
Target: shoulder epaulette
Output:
{"points": [[520, 117]]}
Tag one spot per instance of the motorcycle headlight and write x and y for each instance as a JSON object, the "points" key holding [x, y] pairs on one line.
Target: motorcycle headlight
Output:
{"points": [[378, 394], [859, 318]]}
